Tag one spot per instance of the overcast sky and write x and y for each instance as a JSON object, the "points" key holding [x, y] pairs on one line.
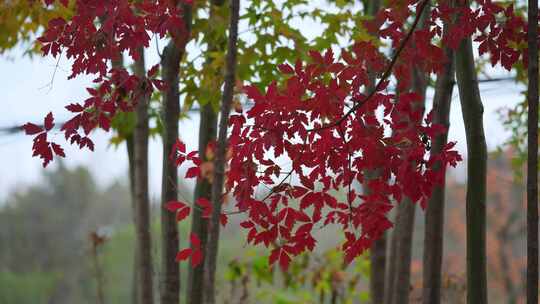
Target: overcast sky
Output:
{"points": [[28, 95]]}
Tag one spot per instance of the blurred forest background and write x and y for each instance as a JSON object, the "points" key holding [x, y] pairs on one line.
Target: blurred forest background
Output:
{"points": [[53, 227]]}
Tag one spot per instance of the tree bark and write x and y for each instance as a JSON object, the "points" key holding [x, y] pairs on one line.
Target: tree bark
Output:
{"points": [[403, 231], [532, 155], [402, 235], [434, 218], [142, 204], [390, 269], [504, 240], [130, 147], [378, 263], [98, 273], [119, 64], [203, 188], [377, 254], [170, 63], [135, 275], [219, 163], [170, 288], [473, 110]]}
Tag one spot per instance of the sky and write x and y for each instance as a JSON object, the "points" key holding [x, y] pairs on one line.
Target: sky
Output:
{"points": [[32, 87]]}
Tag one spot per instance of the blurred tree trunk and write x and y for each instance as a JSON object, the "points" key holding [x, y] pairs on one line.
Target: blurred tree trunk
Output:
{"points": [[378, 266], [403, 231], [170, 64], [130, 152], [472, 109], [119, 64], [96, 241], [399, 271], [532, 155], [390, 265], [135, 276], [142, 204], [170, 288], [203, 187], [434, 218], [377, 254], [504, 239], [220, 157]]}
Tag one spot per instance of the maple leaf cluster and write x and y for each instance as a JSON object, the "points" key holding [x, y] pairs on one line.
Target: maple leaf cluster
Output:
{"points": [[297, 121], [322, 119], [42, 147], [98, 33], [495, 26], [326, 117]]}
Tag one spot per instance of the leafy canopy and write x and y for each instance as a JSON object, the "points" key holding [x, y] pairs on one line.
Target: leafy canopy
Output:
{"points": [[321, 113]]}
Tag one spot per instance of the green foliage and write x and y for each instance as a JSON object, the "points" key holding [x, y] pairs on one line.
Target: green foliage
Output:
{"points": [[47, 228], [123, 123], [270, 39], [26, 288], [515, 119], [117, 264], [312, 278], [21, 20]]}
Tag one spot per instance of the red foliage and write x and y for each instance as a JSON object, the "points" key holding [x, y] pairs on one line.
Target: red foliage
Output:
{"points": [[321, 118], [123, 27], [181, 209], [195, 252]]}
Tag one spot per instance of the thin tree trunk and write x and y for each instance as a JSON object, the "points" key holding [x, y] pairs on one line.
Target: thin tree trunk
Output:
{"points": [[434, 218], [219, 163], [170, 288], [135, 275], [142, 204], [402, 235], [130, 147], [532, 155], [377, 254], [473, 110], [170, 63], [403, 232], [504, 240], [378, 264], [98, 273], [203, 188], [390, 269], [118, 64]]}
